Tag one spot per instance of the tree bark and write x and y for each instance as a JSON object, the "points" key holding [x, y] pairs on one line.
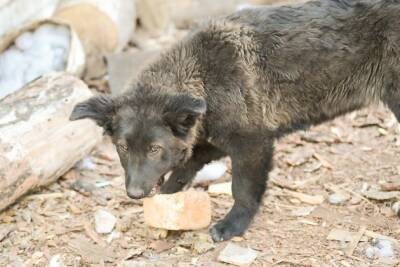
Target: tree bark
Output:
{"points": [[38, 143]]}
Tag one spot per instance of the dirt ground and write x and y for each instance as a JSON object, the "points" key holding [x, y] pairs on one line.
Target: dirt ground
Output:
{"points": [[348, 156]]}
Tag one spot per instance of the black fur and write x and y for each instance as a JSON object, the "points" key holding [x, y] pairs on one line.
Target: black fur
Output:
{"points": [[235, 85]]}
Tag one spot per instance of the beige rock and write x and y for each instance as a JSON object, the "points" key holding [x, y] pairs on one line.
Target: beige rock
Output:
{"points": [[188, 210]]}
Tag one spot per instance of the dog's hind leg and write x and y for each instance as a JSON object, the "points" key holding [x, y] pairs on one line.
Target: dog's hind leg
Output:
{"points": [[181, 176]]}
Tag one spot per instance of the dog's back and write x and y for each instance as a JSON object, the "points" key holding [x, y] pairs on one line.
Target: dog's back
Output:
{"points": [[302, 64]]}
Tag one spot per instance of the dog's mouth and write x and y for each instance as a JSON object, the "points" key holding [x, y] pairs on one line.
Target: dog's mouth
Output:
{"points": [[157, 187]]}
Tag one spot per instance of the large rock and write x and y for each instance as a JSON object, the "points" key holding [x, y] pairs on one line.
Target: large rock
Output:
{"points": [[187, 210]]}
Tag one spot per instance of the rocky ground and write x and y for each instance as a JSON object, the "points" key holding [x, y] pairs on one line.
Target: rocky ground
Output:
{"points": [[341, 169], [329, 203]]}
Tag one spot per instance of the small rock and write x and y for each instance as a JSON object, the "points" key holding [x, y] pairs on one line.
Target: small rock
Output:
{"points": [[338, 198], [355, 200], [220, 189], [382, 248], [124, 224], [202, 243], [237, 255], [56, 261], [104, 221], [156, 233], [189, 210], [302, 211]]}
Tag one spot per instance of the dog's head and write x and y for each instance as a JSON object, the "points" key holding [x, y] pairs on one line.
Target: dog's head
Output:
{"points": [[152, 134]]}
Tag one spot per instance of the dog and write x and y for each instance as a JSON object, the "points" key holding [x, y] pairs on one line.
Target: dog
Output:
{"points": [[236, 84]]}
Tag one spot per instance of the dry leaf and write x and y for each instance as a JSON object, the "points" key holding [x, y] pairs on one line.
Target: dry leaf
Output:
{"points": [[309, 199]]}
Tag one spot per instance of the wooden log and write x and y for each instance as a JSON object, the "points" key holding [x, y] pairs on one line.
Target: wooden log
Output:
{"points": [[38, 143]]}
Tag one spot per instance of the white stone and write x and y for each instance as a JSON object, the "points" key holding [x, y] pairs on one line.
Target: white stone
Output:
{"points": [[237, 255], [338, 198], [56, 261], [104, 221]]}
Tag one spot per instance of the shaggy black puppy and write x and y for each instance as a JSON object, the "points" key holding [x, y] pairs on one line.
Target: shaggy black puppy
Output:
{"points": [[236, 84]]}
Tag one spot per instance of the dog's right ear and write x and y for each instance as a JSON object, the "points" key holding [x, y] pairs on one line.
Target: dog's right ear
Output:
{"points": [[100, 109]]}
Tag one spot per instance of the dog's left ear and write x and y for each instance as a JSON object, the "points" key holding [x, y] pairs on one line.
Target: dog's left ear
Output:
{"points": [[100, 109], [182, 112]]}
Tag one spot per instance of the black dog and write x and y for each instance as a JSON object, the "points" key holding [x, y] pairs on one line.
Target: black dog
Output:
{"points": [[235, 85]]}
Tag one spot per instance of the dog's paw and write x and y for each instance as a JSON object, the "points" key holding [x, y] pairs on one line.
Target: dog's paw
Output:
{"points": [[224, 230]]}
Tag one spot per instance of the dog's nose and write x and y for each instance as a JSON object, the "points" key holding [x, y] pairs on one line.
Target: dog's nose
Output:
{"points": [[135, 193]]}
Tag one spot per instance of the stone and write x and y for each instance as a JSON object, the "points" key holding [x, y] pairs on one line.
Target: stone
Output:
{"points": [[237, 255], [382, 248], [220, 189], [56, 261], [338, 198], [202, 243], [189, 210], [104, 221]]}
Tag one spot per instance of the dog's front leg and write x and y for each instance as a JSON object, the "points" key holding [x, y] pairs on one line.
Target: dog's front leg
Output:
{"points": [[182, 175], [251, 160]]}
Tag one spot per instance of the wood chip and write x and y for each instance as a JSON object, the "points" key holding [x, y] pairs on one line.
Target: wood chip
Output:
{"points": [[391, 186], [354, 242], [46, 196], [381, 195], [343, 235], [93, 235], [323, 161], [91, 252], [293, 185], [5, 231], [220, 189], [309, 199]]}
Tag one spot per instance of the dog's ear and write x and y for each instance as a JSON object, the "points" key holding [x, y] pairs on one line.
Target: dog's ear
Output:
{"points": [[100, 109], [182, 112]]}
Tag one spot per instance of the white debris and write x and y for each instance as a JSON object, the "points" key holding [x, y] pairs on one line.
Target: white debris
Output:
{"points": [[86, 164], [101, 184], [33, 54], [338, 198], [114, 235], [382, 248], [104, 221], [211, 172], [56, 261], [237, 255], [302, 211]]}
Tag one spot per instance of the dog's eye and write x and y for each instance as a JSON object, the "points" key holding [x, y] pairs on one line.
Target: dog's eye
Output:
{"points": [[155, 149]]}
